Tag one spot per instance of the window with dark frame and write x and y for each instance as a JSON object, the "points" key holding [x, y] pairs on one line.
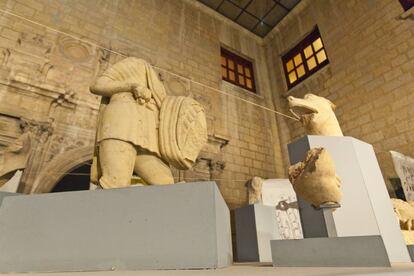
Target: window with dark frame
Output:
{"points": [[237, 70], [407, 4], [305, 59]]}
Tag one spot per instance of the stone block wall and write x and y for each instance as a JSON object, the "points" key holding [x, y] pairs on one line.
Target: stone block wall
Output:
{"points": [[52, 50], [370, 76]]}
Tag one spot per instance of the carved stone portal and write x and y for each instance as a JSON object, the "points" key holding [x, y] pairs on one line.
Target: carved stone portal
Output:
{"points": [[141, 129]]}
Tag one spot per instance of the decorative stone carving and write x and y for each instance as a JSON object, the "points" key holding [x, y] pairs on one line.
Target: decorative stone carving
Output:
{"points": [[74, 49], [254, 189], [405, 214], [14, 157], [40, 130], [316, 114], [6, 54], [315, 178], [141, 129]]}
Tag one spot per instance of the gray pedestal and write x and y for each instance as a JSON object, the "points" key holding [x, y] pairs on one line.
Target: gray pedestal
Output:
{"points": [[365, 251], [181, 226], [366, 208], [255, 228], [4, 194], [411, 251]]}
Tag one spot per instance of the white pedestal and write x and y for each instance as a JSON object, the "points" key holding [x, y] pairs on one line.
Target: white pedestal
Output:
{"points": [[366, 208]]}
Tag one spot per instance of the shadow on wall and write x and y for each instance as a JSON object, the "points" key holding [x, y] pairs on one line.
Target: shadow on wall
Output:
{"points": [[75, 180]]}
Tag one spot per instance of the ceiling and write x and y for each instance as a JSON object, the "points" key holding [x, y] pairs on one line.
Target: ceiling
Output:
{"points": [[257, 16]]}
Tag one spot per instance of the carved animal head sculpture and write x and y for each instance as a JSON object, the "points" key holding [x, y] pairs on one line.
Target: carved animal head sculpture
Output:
{"points": [[254, 189], [315, 178], [316, 114]]}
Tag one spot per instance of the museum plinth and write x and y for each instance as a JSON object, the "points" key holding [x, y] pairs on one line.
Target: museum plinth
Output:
{"points": [[365, 213], [255, 227], [181, 226]]}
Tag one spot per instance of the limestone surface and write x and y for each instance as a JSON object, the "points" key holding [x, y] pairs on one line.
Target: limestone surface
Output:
{"points": [[405, 213], [141, 129], [315, 178], [316, 114], [14, 157]]}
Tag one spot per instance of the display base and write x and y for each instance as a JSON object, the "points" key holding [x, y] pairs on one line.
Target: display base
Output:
{"points": [[367, 251], [180, 226], [4, 194], [411, 251], [366, 209], [255, 228]]}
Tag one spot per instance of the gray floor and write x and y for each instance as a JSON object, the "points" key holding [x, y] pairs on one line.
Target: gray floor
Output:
{"points": [[251, 269]]}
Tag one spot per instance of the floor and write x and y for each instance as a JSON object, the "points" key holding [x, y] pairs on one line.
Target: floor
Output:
{"points": [[250, 270]]}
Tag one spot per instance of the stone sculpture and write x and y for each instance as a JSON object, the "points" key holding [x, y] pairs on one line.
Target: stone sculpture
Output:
{"points": [[405, 214], [316, 114], [141, 129], [315, 179], [14, 157], [254, 189]]}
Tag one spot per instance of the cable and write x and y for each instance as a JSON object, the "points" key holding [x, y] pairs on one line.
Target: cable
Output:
{"points": [[159, 68]]}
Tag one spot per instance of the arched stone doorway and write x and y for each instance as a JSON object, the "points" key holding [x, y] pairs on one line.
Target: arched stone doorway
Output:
{"points": [[75, 180], [60, 166]]}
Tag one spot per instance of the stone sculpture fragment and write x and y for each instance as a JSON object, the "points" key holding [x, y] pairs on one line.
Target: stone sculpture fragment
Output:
{"points": [[315, 179], [316, 114], [141, 129]]}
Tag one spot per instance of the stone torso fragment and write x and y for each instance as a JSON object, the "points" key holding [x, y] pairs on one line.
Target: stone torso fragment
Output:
{"points": [[141, 129], [315, 178]]}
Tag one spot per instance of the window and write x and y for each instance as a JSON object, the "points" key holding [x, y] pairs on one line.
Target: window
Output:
{"points": [[305, 59], [237, 70], [407, 4]]}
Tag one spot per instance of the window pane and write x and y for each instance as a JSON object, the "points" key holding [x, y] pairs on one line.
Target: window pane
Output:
{"points": [[317, 44], [247, 71], [249, 83], [231, 64], [224, 72], [311, 63], [300, 71], [240, 69], [292, 77], [237, 70], [298, 59], [289, 65], [308, 51], [231, 75], [223, 61], [321, 56]]}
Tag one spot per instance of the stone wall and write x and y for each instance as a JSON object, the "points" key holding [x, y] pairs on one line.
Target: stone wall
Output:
{"points": [[370, 76], [52, 50]]}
